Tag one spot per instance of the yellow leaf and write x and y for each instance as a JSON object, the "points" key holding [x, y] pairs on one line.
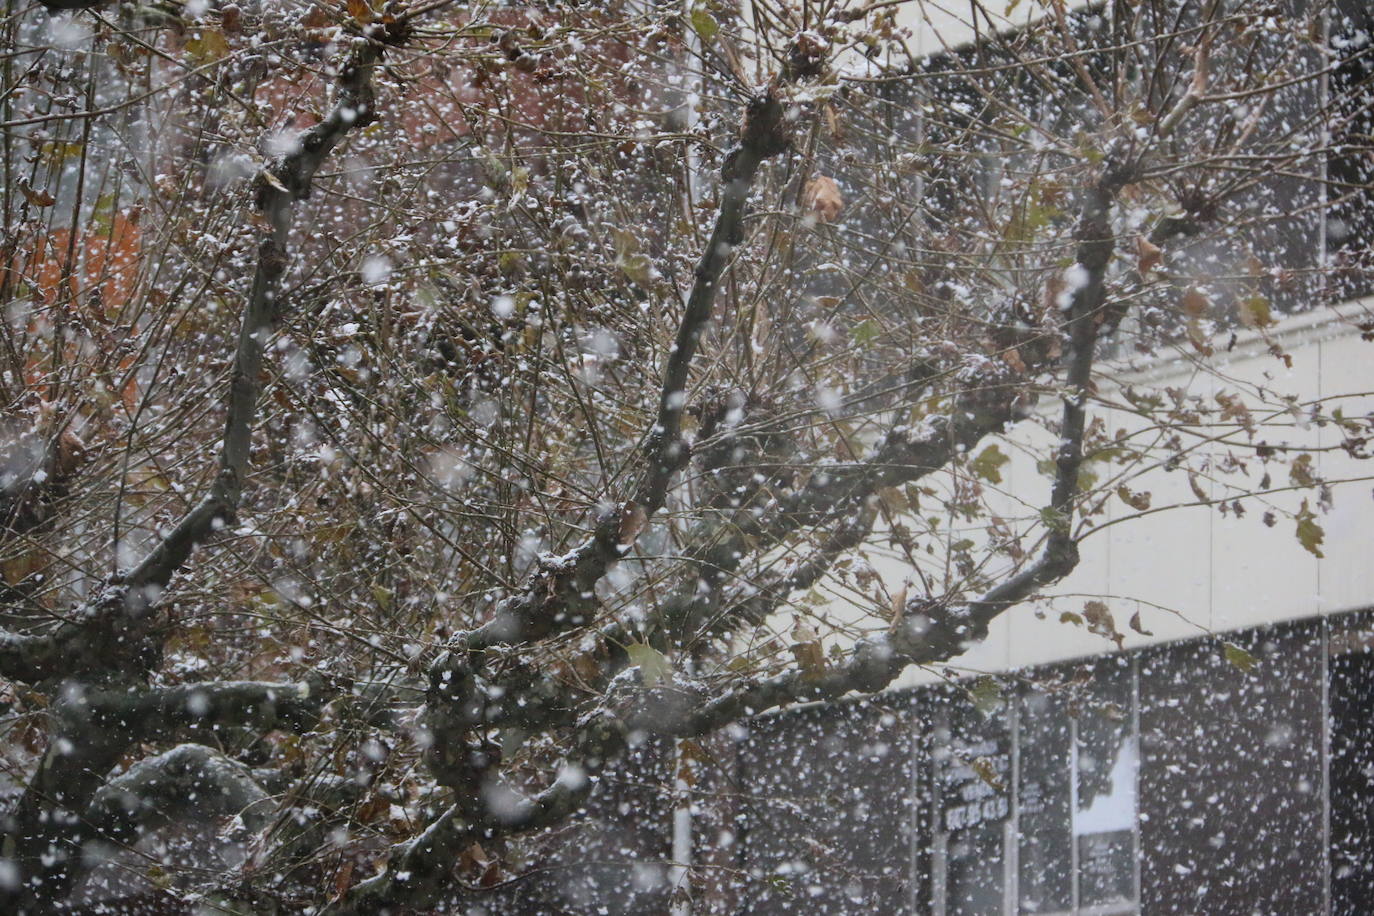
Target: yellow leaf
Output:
{"points": [[208, 47], [832, 122], [898, 607], [269, 178], [653, 665], [987, 695], [1310, 534], [638, 268], [1254, 312], [806, 649], [988, 464], [987, 772], [1301, 473], [1239, 657], [704, 24]]}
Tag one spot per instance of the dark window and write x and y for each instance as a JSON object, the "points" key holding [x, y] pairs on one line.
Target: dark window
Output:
{"points": [[1350, 168], [971, 769], [1162, 781], [1044, 803], [828, 813], [1351, 693], [1105, 766], [1231, 775]]}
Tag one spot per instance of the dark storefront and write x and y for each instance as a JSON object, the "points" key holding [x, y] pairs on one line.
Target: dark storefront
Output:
{"points": [[1167, 780]]}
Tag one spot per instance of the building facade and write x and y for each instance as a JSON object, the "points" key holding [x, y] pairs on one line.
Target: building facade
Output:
{"points": [[1214, 756], [1160, 780]]}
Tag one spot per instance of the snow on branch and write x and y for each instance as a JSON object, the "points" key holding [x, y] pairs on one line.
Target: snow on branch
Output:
{"points": [[188, 782]]}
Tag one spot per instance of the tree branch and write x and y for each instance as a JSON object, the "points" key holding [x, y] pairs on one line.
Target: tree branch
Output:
{"points": [[286, 179], [418, 871], [536, 698], [189, 782], [111, 632], [206, 708], [62, 5], [927, 633], [560, 596], [104, 633]]}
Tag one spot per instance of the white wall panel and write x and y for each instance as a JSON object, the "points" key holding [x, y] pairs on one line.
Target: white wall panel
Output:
{"points": [[1191, 569]]}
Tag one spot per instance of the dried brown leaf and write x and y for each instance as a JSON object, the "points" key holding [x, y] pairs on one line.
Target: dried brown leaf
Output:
{"points": [[37, 197], [1147, 254], [1195, 304], [806, 649], [821, 199], [633, 518]]}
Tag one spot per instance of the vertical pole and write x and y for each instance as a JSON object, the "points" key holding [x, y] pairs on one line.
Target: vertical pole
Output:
{"points": [[1073, 813], [1136, 864], [1011, 846], [680, 873], [1324, 672]]}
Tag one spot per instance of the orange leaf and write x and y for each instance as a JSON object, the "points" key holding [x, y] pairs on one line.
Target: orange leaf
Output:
{"points": [[1148, 254], [1197, 338], [343, 879]]}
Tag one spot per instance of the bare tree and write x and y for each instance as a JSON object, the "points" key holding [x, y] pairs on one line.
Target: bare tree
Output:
{"points": [[408, 408]]}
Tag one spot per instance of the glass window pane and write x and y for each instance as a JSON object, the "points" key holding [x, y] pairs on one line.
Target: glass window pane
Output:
{"points": [[1044, 802], [1106, 758], [975, 870], [971, 753]]}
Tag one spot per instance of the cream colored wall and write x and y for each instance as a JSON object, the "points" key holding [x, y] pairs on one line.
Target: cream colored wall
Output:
{"points": [[1189, 570], [938, 25]]}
